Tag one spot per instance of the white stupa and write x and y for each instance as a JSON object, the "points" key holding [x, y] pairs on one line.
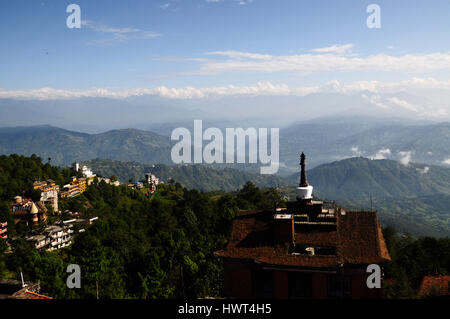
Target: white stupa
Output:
{"points": [[304, 190]]}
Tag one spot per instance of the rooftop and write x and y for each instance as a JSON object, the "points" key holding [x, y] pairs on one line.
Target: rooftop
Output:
{"points": [[356, 239], [439, 285]]}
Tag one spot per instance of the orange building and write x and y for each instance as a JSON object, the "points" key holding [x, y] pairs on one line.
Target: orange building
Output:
{"points": [[76, 187], [49, 192]]}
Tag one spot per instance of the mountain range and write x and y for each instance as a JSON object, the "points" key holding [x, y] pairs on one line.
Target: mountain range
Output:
{"points": [[350, 160], [65, 147], [414, 198], [324, 140]]}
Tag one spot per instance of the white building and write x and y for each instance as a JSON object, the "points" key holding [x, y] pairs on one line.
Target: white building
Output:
{"points": [[52, 238], [152, 179], [87, 172]]}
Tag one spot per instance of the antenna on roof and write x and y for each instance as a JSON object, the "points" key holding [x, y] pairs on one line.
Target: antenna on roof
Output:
{"points": [[23, 283], [371, 206]]}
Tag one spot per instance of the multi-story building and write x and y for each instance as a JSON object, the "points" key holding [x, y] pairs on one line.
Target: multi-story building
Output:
{"points": [[53, 237], [49, 192], [4, 230], [303, 251], [152, 180], [28, 212], [75, 188]]}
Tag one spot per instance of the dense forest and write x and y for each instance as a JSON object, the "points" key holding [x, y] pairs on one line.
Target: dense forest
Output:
{"points": [[158, 247], [412, 259], [162, 246], [201, 176]]}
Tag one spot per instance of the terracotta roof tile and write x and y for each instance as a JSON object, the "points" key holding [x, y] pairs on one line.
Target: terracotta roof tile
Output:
{"points": [[26, 294], [358, 240], [438, 284]]}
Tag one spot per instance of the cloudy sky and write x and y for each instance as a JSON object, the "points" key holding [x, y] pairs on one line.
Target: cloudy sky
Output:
{"points": [[198, 49]]}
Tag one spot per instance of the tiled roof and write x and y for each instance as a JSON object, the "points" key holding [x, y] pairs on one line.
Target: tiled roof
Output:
{"points": [[357, 238], [435, 284], [26, 294]]}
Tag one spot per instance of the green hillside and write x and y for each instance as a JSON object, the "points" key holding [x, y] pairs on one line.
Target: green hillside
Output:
{"points": [[361, 177], [412, 198], [199, 177], [65, 147], [324, 140]]}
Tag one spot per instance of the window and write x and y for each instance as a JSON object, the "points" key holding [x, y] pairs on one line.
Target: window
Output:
{"points": [[339, 286], [263, 284], [300, 285]]}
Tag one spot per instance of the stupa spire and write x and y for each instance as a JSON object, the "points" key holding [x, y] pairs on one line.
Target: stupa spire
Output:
{"points": [[303, 181]]}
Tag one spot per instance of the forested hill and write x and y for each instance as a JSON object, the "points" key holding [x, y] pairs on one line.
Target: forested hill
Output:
{"points": [[17, 174], [201, 177], [360, 177], [65, 147], [414, 198], [140, 247]]}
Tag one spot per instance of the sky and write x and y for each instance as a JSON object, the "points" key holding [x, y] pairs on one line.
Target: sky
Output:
{"points": [[196, 49]]}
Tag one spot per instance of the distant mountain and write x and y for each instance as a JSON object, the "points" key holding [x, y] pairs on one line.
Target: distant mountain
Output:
{"points": [[191, 176], [360, 177], [65, 147], [325, 140], [413, 198], [330, 139]]}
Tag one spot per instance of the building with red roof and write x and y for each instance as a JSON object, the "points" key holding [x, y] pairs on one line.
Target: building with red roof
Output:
{"points": [[435, 286], [303, 251]]}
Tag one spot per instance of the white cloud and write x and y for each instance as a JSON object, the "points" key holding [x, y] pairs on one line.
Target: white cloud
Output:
{"points": [[356, 150], [340, 49], [164, 6], [405, 157], [423, 170], [261, 88], [404, 104], [264, 88], [381, 154], [447, 161], [327, 59], [241, 55], [243, 2], [375, 100], [118, 34]]}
